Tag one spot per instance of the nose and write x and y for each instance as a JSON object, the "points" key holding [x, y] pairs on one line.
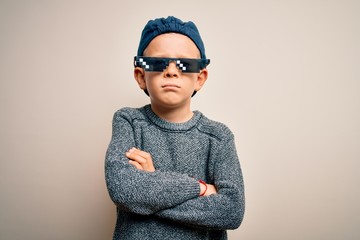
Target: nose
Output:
{"points": [[171, 70]]}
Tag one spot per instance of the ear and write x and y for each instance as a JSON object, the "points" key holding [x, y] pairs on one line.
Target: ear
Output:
{"points": [[201, 79], [139, 75]]}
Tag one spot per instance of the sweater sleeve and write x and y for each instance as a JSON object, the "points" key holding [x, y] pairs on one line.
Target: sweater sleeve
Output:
{"points": [[138, 191], [224, 210]]}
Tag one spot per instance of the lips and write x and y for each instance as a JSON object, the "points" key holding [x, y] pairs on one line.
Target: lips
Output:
{"points": [[168, 85]]}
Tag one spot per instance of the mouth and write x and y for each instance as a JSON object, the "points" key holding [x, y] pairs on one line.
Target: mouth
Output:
{"points": [[170, 86]]}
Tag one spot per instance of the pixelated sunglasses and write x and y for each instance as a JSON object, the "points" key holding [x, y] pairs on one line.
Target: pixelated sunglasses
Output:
{"points": [[155, 64]]}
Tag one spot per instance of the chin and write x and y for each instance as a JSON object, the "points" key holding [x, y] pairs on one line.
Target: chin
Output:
{"points": [[169, 102]]}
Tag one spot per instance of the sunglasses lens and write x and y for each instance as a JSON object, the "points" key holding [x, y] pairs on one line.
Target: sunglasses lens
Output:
{"points": [[188, 65], [150, 64], [156, 64]]}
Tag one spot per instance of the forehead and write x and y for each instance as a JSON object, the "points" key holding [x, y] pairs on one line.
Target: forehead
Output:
{"points": [[172, 45]]}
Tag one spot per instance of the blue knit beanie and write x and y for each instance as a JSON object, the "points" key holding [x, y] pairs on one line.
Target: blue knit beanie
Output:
{"points": [[166, 25]]}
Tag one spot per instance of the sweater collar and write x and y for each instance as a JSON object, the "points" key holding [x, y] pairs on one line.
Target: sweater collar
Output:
{"points": [[170, 125]]}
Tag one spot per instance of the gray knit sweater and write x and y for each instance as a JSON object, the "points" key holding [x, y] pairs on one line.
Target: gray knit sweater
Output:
{"points": [[165, 204]]}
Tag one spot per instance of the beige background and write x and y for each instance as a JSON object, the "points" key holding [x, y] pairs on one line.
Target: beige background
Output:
{"points": [[285, 77]]}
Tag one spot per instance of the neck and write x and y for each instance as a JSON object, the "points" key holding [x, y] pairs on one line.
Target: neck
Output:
{"points": [[175, 115]]}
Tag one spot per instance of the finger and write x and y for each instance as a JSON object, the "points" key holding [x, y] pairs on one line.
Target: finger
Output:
{"points": [[135, 151], [135, 157], [141, 157], [144, 154], [211, 190], [136, 164]]}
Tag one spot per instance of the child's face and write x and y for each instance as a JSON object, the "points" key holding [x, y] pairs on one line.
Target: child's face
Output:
{"points": [[172, 87]]}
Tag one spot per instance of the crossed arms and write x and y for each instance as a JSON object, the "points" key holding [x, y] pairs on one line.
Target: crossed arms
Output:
{"points": [[143, 161]]}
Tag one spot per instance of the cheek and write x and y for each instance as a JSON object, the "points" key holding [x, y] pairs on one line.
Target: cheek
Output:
{"points": [[190, 78], [152, 79], [153, 75]]}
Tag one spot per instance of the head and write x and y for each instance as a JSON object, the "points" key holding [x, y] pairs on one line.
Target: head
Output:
{"points": [[171, 59]]}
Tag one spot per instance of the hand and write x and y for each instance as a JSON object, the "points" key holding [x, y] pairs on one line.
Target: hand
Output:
{"points": [[210, 189], [140, 159]]}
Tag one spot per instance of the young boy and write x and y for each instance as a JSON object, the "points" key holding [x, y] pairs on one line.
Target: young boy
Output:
{"points": [[172, 172]]}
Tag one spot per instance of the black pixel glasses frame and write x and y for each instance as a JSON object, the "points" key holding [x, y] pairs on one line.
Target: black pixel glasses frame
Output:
{"points": [[157, 64]]}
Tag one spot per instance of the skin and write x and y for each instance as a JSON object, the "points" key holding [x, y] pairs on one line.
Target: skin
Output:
{"points": [[170, 91]]}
